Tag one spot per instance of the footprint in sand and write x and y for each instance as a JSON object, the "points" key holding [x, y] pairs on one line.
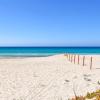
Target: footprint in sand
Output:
{"points": [[67, 81], [87, 77]]}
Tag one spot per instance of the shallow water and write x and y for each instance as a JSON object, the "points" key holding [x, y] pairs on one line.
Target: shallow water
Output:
{"points": [[45, 51]]}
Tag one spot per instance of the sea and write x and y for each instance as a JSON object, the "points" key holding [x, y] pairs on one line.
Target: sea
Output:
{"points": [[45, 51]]}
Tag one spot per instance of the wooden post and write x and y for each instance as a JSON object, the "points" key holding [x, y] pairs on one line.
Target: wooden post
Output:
{"points": [[91, 63], [83, 60], [69, 57], [66, 55], [78, 59], [74, 58]]}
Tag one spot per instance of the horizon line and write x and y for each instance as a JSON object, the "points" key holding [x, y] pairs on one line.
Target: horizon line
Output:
{"points": [[48, 46]]}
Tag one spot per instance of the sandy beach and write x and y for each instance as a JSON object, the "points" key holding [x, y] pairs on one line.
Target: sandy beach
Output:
{"points": [[47, 78]]}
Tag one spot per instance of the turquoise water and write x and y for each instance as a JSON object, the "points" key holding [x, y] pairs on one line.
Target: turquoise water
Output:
{"points": [[46, 51]]}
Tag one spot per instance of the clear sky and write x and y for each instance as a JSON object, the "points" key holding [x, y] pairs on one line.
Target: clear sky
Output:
{"points": [[49, 22]]}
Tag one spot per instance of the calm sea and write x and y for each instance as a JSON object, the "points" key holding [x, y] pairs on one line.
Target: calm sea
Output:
{"points": [[45, 51]]}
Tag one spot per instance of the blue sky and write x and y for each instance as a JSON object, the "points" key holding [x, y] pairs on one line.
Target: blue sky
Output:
{"points": [[49, 22]]}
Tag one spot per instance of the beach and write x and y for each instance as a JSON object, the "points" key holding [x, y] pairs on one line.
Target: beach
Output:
{"points": [[47, 78]]}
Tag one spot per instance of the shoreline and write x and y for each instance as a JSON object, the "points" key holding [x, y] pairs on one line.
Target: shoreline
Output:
{"points": [[48, 55]]}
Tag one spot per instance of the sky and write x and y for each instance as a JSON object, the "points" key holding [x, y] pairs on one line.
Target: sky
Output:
{"points": [[49, 22]]}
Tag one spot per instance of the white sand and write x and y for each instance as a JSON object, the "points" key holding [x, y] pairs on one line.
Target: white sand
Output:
{"points": [[46, 78]]}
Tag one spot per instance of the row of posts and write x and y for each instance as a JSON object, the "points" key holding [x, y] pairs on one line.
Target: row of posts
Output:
{"points": [[70, 58]]}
